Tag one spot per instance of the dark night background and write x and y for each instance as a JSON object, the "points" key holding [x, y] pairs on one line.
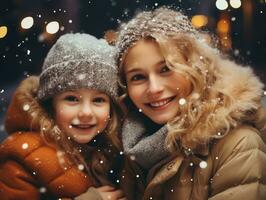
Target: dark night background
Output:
{"points": [[23, 50]]}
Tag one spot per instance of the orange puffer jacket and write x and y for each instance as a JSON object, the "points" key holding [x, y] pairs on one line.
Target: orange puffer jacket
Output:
{"points": [[23, 152], [29, 167]]}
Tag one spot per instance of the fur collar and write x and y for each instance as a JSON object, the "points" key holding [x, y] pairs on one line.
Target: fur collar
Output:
{"points": [[24, 109]]}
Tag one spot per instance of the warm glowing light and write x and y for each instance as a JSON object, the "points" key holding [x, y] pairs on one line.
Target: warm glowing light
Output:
{"points": [[52, 27], [27, 22], [221, 4], [199, 21], [235, 3], [223, 26], [3, 31]]}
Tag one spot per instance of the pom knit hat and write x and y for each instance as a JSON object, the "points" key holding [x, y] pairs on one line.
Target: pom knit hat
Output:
{"points": [[78, 61], [162, 22]]}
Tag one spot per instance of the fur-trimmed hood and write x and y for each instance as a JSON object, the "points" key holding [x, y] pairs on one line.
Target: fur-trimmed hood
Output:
{"points": [[244, 90], [24, 109]]}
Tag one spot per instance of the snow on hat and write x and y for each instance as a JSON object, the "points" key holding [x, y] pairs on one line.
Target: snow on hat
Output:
{"points": [[78, 61], [162, 21]]}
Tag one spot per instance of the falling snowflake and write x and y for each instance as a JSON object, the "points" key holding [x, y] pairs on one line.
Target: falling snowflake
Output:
{"points": [[132, 157], [26, 107], [2, 91], [42, 190], [203, 164], [2, 127], [25, 145], [182, 101], [137, 176], [236, 52], [81, 167], [140, 110]]}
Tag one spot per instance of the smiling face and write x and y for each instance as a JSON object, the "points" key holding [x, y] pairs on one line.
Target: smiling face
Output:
{"points": [[82, 114], [151, 85]]}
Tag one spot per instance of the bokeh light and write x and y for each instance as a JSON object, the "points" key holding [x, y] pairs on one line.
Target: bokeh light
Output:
{"points": [[223, 26], [199, 21], [3, 31], [221, 4], [52, 27], [235, 3], [27, 22]]}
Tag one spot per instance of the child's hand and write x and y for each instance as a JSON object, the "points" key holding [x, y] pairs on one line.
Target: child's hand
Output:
{"points": [[110, 193]]}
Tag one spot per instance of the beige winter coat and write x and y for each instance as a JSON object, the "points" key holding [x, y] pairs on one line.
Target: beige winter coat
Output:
{"points": [[234, 168]]}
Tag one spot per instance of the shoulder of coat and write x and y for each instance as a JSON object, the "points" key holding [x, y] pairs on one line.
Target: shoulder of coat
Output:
{"points": [[20, 144], [241, 139]]}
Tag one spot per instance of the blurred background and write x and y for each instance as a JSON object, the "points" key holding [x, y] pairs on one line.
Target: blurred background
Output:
{"points": [[29, 28]]}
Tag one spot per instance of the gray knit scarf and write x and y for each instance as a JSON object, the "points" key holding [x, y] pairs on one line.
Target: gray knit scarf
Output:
{"points": [[144, 147]]}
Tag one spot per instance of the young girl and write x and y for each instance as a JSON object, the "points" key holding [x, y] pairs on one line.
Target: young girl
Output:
{"points": [[64, 127], [195, 118]]}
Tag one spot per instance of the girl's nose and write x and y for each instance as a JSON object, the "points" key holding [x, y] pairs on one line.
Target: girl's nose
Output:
{"points": [[85, 110], [155, 85]]}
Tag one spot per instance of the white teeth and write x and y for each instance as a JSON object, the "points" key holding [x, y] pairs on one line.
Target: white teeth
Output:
{"points": [[160, 103], [75, 121]]}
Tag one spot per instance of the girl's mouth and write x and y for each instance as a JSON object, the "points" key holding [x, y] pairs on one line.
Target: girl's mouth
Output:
{"points": [[83, 126], [161, 104]]}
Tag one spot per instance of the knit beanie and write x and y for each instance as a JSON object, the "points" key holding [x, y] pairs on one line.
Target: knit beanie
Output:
{"points": [[78, 61], [162, 22]]}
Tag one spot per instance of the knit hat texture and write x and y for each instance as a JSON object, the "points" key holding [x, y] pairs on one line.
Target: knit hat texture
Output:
{"points": [[162, 22], [78, 61]]}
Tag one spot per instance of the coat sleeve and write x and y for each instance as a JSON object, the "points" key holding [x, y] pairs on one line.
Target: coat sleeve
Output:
{"points": [[16, 182], [239, 169]]}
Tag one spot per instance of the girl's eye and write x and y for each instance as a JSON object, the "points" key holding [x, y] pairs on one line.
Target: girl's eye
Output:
{"points": [[71, 98], [137, 77], [165, 69], [99, 100]]}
